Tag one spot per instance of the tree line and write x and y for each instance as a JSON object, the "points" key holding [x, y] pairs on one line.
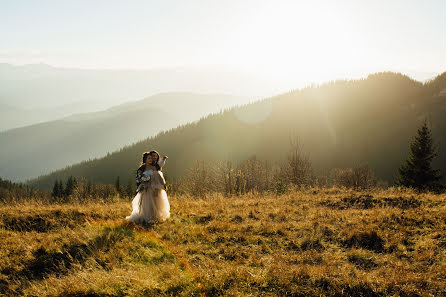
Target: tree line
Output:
{"points": [[83, 189], [10, 191], [252, 175]]}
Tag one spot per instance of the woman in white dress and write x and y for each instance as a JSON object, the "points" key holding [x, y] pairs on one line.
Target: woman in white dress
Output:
{"points": [[150, 203]]}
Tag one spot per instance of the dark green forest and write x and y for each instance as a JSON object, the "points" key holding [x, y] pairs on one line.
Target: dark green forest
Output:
{"points": [[340, 124], [10, 191]]}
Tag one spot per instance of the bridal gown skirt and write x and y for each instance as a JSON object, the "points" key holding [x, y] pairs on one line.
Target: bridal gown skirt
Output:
{"points": [[150, 205]]}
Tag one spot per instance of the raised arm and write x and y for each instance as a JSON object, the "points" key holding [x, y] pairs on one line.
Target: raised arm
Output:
{"points": [[162, 161]]}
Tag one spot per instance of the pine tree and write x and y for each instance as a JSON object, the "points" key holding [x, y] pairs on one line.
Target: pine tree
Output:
{"points": [[89, 186], [71, 183], [55, 192], [129, 189], [417, 172], [118, 185], [60, 191]]}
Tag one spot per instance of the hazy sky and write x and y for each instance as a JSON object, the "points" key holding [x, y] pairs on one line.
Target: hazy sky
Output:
{"points": [[291, 40]]}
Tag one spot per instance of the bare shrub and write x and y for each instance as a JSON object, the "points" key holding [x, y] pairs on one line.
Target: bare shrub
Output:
{"points": [[229, 175], [83, 191], [201, 179], [251, 175], [254, 175], [298, 170], [359, 177]]}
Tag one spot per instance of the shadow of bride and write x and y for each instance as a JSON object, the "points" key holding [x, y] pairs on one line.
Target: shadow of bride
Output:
{"points": [[141, 226]]}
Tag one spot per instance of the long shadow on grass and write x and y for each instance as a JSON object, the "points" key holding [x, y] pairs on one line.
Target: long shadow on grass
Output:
{"points": [[46, 222], [60, 262], [368, 202], [145, 226]]}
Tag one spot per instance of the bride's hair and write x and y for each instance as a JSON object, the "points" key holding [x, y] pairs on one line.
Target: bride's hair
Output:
{"points": [[144, 157]]}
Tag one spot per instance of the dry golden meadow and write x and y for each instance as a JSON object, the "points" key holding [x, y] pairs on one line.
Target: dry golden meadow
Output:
{"points": [[317, 242]]}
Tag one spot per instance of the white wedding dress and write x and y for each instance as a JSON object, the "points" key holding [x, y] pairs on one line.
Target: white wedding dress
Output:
{"points": [[151, 204]]}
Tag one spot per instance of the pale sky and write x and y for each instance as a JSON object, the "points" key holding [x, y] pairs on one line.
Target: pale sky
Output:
{"points": [[287, 40]]}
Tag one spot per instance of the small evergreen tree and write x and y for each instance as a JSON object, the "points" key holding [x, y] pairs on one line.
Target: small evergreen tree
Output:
{"points": [[118, 185], [71, 184], [55, 192], [417, 172], [129, 189], [61, 190], [89, 187]]}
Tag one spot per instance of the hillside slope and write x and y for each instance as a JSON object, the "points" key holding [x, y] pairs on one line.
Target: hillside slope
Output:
{"points": [[341, 124], [38, 149]]}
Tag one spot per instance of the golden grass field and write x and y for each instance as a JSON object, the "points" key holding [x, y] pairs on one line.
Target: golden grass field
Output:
{"points": [[317, 242]]}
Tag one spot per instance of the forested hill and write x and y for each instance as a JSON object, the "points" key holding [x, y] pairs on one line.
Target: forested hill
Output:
{"points": [[34, 150], [340, 124]]}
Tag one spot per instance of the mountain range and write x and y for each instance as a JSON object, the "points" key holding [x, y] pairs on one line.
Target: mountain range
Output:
{"points": [[37, 93], [38, 149], [340, 124]]}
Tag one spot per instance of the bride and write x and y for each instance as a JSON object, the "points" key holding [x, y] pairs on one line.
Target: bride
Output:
{"points": [[150, 203]]}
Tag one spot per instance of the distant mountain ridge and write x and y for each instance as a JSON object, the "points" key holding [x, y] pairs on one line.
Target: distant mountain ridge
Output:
{"points": [[51, 93], [38, 149], [340, 123]]}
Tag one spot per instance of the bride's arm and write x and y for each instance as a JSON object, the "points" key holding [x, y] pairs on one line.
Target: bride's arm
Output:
{"points": [[139, 176]]}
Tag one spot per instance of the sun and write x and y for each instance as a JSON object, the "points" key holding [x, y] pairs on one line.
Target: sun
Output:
{"points": [[296, 41]]}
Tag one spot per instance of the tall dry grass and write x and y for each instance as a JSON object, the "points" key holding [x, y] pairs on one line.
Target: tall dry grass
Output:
{"points": [[315, 242]]}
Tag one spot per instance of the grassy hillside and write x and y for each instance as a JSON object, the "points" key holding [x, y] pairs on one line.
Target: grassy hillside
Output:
{"points": [[321, 242], [341, 124], [40, 149]]}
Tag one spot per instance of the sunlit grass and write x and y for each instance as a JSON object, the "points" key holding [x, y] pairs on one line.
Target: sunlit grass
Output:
{"points": [[304, 243]]}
